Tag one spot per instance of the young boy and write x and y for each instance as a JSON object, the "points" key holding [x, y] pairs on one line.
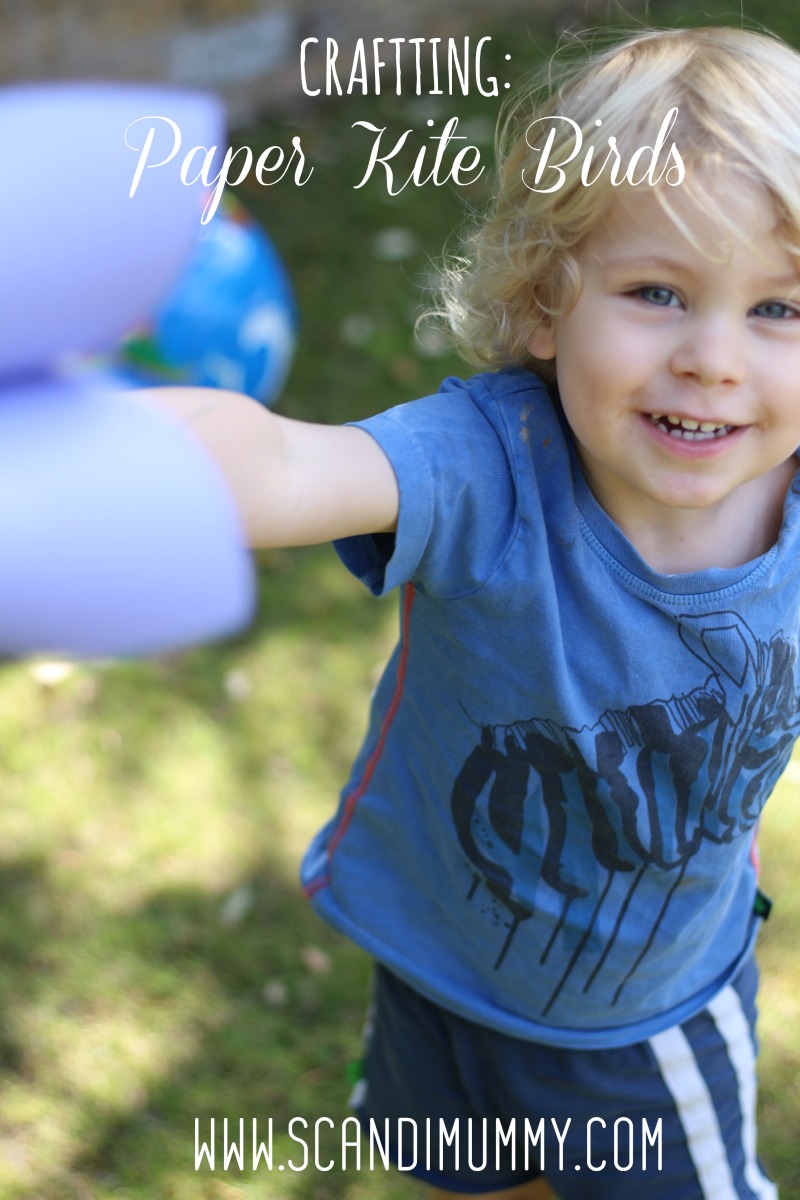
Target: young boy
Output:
{"points": [[548, 839]]}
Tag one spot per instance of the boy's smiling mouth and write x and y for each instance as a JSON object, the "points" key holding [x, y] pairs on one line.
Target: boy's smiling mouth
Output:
{"points": [[688, 429]]}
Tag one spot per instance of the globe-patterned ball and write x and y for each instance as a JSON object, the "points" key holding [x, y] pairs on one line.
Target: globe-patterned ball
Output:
{"points": [[230, 321]]}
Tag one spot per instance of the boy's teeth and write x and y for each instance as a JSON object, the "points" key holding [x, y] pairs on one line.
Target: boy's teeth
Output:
{"points": [[688, 428]]}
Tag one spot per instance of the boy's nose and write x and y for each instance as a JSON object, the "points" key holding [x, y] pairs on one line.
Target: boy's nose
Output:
{"points": [[710, 352]]}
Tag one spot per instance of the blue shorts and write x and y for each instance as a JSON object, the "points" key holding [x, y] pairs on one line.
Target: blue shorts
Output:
{"points": [[469, 1109]]}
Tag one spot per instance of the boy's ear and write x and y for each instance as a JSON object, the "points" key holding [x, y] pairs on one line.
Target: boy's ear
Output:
{"points": [[542, 342]]}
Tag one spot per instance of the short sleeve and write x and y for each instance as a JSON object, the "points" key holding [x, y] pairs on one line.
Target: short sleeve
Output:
{"points": [[457, 496]]}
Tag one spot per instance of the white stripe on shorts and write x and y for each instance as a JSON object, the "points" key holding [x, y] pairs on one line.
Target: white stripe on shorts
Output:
{"points": [[731, 1021], [696, 1111]]}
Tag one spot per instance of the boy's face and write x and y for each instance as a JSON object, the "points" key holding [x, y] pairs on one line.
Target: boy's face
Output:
{"points": [[679, 370]]}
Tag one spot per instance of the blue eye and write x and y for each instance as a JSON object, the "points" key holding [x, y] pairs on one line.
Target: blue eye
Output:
{"points": [[662, 297], [775, 310]]}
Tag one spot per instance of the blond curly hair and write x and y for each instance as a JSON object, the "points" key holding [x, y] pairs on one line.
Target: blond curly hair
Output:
{"points": [[738, 98]]}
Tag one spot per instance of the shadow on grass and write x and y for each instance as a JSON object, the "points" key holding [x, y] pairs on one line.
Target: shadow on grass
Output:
{"points": [[129, 1012], [270, 1031], [250, 1060]]}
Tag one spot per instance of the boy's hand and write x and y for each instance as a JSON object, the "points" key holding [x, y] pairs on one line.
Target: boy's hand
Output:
{"points": [[294, 483]]}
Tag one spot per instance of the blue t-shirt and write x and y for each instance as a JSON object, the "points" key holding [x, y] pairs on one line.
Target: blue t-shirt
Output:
{"points": [[550, 827]]}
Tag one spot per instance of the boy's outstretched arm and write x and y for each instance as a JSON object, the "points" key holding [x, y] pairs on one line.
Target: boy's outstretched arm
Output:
{"points": [[294, 483]]}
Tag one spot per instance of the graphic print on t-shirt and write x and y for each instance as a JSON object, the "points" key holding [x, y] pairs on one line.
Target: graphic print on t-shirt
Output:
{"points": [[642, 790]]}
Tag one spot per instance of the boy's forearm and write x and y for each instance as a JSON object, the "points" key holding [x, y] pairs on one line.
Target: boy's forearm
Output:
{"points": [[294, 483], [243, 439]]}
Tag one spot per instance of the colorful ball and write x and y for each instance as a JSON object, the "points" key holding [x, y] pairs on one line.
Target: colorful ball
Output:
{"points": [[230, 321]]}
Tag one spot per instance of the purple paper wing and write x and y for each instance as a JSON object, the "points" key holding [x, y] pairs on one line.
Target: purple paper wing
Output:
{"points": [[82, 261], [118, 534]]}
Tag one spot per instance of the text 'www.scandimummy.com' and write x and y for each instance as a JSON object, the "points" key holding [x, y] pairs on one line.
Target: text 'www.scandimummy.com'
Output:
{"points": [[325, 1144]]}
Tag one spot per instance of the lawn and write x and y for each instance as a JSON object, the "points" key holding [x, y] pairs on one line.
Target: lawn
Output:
{"points": [[158, 964]]}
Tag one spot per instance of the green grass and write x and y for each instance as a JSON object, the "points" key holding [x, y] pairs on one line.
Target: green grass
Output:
{"points": [[157, 961]]}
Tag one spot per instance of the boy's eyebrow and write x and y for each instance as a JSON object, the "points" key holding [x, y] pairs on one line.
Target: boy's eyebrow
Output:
{"points": [[664, 262], [643, 261]]}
